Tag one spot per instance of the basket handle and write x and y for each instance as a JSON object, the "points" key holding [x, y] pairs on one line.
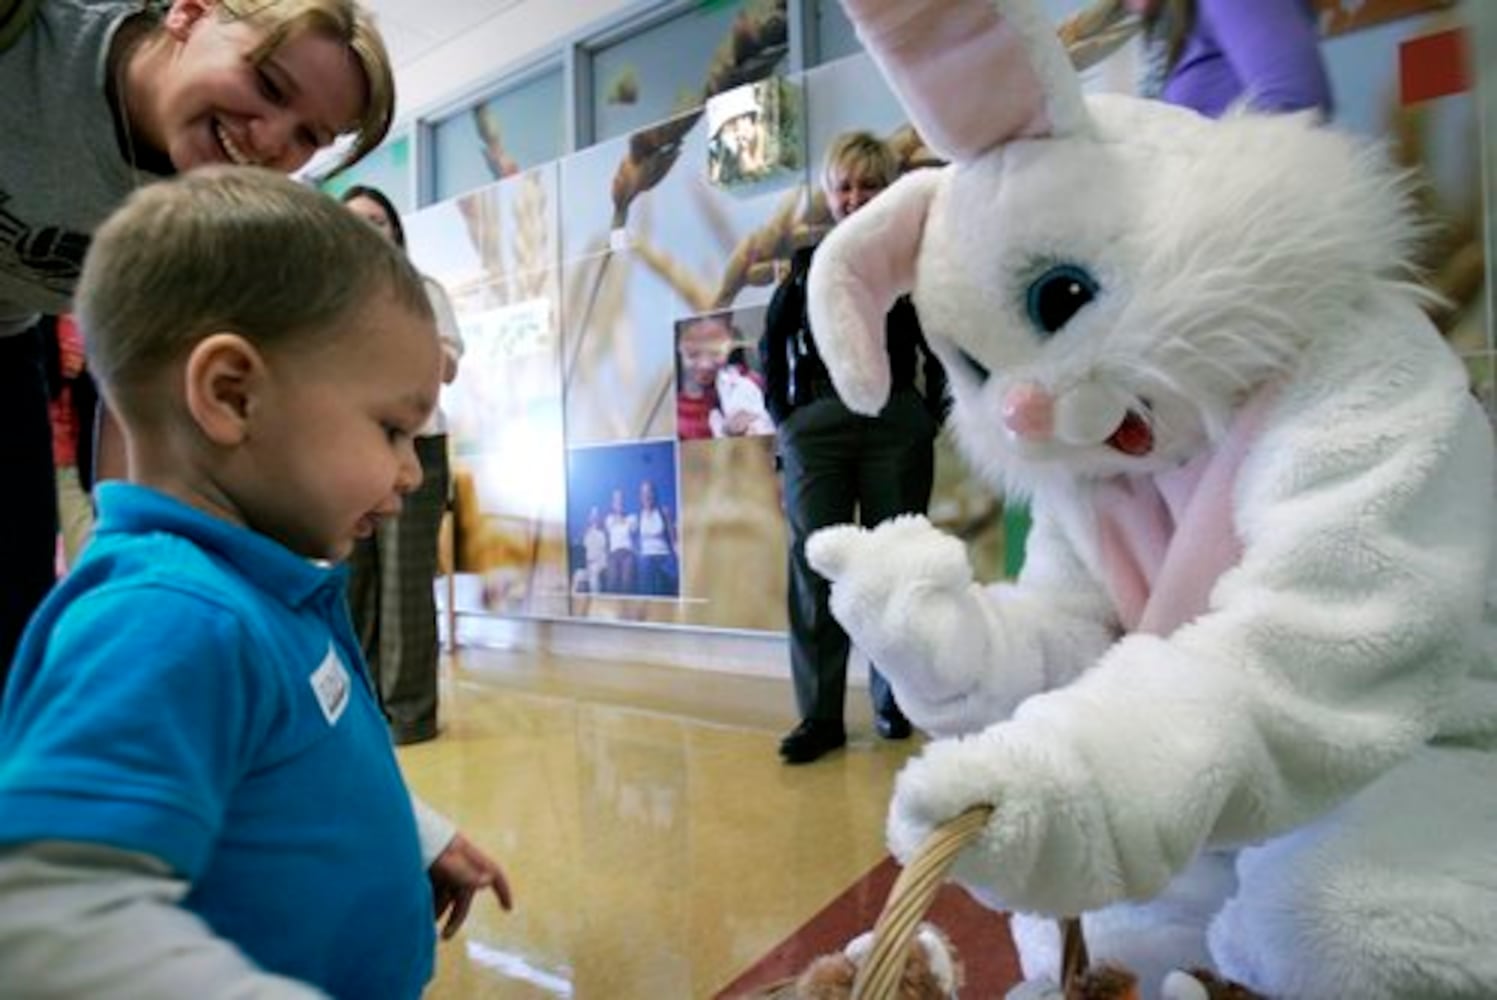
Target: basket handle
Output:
{"points": [[913, 892]]}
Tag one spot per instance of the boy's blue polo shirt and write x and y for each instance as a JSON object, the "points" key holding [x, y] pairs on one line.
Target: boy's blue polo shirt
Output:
{"points": [[193, 691]]}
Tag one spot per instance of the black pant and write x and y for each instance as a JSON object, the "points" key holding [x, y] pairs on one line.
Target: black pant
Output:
{"points": [[837, 464], [394, 607], [28, 501]]}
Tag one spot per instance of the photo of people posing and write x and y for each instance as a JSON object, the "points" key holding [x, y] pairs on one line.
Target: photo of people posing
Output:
{"points": [[621, 514], [719, 387]]}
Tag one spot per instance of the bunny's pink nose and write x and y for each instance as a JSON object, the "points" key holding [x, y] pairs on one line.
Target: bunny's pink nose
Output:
{"points": [[1029, 412]]}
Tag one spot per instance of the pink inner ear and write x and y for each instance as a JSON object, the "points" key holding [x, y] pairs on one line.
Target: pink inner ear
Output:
{"points": [[863, 265], [962, 71]]}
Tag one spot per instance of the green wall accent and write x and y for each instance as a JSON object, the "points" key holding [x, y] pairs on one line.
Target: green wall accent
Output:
{"points": [[1015, 532]]}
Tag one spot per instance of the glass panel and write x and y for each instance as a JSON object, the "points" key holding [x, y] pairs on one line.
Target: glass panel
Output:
{"points": [[835, 37], [672, 66], [495, 251], [387, 169], [503, 235], [519, 128], [618, 350], [648, 240]]}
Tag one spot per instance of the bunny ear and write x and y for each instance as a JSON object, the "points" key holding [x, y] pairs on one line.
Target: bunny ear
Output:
{"points": [[972, 73], [864, 264]]}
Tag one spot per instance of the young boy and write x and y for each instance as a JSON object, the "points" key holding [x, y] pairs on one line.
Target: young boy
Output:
{"points": [[197, 792]]}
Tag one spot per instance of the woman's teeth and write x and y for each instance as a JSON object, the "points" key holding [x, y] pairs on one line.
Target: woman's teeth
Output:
{"points": [[236, 155]]}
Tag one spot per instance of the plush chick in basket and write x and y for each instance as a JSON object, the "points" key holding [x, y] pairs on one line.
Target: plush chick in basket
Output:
{"points": [[931, 972], [1240, 707]]}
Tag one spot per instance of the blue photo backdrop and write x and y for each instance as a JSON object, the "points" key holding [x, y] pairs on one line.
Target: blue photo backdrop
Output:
{"points": [[605, 487]]}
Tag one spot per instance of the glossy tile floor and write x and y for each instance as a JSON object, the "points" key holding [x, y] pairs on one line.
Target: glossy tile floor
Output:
{"points": [[656, 845]]}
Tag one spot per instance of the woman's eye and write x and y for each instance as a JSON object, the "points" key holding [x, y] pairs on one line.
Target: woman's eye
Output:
{"points": [[1057, 295], [268, 87]]}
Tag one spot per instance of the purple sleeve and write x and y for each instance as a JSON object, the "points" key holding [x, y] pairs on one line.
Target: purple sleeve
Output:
{"points": [[1274, 48]]}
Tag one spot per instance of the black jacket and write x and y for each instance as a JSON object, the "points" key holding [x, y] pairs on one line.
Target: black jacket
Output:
{"points": [[787, 326]]}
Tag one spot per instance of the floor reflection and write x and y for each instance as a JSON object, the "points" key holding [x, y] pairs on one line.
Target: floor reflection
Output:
{"points": [[656, 845]]}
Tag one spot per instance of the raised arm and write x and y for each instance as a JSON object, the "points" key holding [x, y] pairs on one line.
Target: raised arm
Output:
{"points": [[1274, 49], [961, 654]]}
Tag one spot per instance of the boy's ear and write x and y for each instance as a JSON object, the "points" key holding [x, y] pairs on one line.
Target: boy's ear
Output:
{"points": [[182, 15], [224, 375]]}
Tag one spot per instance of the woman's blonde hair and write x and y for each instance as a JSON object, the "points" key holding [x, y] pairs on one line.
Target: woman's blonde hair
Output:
{"points": [[344, 21], [860, 152]]}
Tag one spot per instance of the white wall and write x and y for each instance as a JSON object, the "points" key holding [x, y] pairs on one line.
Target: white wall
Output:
{"points": [[503, 43]]}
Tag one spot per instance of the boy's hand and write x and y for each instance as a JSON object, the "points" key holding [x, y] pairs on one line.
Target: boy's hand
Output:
{"points": [[461, 871]]}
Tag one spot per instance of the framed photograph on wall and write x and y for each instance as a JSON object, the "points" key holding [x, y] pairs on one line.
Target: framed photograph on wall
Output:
{"points": [[719, 383], [754, 133], [622, 513]]}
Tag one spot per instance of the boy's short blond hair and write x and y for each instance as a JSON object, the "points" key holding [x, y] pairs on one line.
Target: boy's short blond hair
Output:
{"points": [[343, 21], [861, 153], [228, 250]]}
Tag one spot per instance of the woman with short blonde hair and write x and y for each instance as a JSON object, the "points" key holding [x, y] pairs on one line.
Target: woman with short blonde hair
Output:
{"points": [[861, 154], [102, 96]]}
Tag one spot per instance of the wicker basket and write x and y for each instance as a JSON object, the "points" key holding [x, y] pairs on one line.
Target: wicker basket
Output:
{"points": [[909, 900], [911, 897]]}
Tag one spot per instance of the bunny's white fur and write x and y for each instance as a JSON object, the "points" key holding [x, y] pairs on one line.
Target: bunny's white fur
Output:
{"points": [[1291, 774]]}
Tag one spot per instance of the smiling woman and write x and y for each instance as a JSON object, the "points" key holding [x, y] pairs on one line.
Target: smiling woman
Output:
{"points": [[247, 82], [100, 96]]}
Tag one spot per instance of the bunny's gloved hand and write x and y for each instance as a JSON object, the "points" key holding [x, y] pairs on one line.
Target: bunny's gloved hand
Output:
{"points": [[904, 593], [1049, 846]]}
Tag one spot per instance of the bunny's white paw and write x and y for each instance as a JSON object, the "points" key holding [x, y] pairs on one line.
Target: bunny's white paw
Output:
{"points": [[904, 593]]}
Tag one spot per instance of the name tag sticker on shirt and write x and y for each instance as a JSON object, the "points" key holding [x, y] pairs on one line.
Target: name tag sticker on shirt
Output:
{"points": [[330, 684]]}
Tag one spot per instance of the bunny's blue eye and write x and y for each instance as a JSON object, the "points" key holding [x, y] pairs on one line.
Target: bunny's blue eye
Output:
{"points": [[1057, 295]]}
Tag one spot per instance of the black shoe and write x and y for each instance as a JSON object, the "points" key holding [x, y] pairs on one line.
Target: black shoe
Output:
{"points": [[812, 740], [891, 724], [404, 736]]}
